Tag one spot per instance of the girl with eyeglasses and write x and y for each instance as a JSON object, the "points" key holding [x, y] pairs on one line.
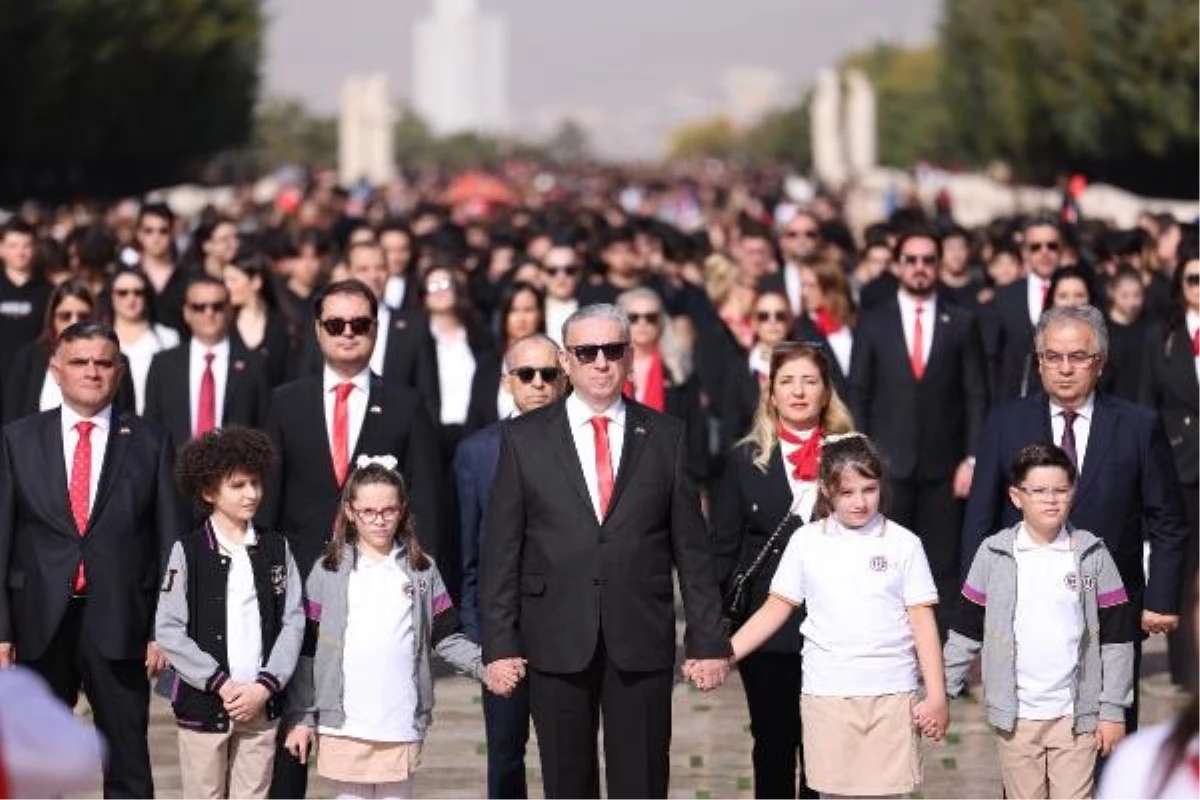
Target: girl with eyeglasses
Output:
{"points": [[29, 384], [127, 306], [377, 611]]}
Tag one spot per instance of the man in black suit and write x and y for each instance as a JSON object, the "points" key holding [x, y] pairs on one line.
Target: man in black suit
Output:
{"points": [[211, 380], [800, 243], [590, 510], [88, 514], [1008, 321], [917, 387], [534, 378], [320, 425], [404, 353], [1127, 491]]}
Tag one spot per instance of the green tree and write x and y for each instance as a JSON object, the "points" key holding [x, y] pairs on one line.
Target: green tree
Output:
{"points": [[783, 136], [569, 143], [119, 96], [716, 137], [286, 133]]}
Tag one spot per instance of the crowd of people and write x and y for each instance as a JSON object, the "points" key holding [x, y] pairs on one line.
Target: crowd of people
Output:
{"points": [[275, 457]]}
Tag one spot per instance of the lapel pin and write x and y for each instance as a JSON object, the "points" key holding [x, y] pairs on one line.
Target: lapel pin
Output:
{"points": [[376, 410], [400, 325], [639, 430], [124, 431], [239, 365], [945, 318]]}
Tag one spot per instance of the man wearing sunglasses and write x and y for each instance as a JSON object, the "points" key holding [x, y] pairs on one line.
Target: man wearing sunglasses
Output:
{"points": [[591, 511], [156, 257], [534, 378], [562, 272], [320, 424], [1008, 323], [211, 380], [800, 242]]}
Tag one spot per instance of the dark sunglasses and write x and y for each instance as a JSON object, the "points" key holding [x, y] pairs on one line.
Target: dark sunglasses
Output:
{"points": [[650, 318], [771, 316], [1037, 247], [554, 272], [336, 326], [1192, 280], [71, 316], [807, 234], [927, 260], [587, 353], [526, 374], [129, 292], [155, 231], [212, 308]]}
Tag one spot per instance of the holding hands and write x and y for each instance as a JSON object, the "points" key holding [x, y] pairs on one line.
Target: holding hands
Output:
{"points": [[932, 716], [706, 674], [504, 674]]}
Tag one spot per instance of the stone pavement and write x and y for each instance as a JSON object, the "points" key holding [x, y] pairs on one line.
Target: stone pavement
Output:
{"points": [[710, 754]]}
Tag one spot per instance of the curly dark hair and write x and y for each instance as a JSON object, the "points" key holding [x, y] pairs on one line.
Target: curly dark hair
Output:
{"points": [[207, 460]]}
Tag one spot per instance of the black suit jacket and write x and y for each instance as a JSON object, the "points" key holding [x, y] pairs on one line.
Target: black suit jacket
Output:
{"points": [[923, 428], [1128, 489], [168, 400], [276, 349], [554, 579], [474, 468], [1168, 383], [805, 330], [302, 493], [136, 517], [1008, 342], [27, 374], [409, 360]]}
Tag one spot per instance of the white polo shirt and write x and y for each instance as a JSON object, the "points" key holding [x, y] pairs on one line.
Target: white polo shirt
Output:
{"points": [[1047, 626], [243, 624], [857, 585]]}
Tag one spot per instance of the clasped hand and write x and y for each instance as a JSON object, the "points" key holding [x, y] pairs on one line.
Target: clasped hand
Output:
{"points": [[504, 674], [706, 674]]}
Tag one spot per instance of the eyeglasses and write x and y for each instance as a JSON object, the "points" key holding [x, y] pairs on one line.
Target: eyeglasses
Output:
{"points": [[911, 260], [526, 374], [129, 292], [104, 364], [1075, 359], [146, 231], [807, 233], [336, 326], [71, 316], [207, 308], [554, 272], [1192, 280], [587, 353], [444, 285], [650, 318], [1037, 247], [1044, 494], [771, 316], [372, 516]]}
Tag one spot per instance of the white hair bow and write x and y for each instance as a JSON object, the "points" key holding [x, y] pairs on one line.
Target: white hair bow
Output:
{"points": [[834, 438], [387, 462]]}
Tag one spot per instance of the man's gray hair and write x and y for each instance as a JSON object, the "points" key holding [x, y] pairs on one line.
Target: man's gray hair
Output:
{"points": [[533, 338], [1084, 315], [598, 311]]}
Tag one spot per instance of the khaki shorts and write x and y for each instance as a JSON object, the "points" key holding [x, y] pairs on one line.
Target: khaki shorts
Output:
{"points": [[861, 745], [1044, 758]]}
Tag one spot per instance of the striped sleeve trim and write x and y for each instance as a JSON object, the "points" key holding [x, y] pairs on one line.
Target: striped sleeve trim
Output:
{"points": [[974, 595], [1112, 598], [217, 680], [442, 602], [270, 682], [312, 610]]}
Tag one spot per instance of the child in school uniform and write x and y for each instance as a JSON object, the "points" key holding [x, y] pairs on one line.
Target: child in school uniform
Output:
{"points": [[1047, 607], [229, 619], [376, 607], [869, 634]]}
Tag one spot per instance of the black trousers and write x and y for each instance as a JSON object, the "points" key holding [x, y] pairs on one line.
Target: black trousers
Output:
{"points": [[118, 692], [636, 711], [772, 685], [506, 721], [289, 778], [929, 509], [1181, 654]]}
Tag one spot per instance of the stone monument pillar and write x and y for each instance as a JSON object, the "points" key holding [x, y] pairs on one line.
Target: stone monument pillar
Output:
{"points": [[365, 148], [828, 152], [861, 126]]}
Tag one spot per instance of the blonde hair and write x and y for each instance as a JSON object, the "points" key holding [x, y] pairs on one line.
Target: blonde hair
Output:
{"points": [[764, 433], [719, 275], [831, 279]]}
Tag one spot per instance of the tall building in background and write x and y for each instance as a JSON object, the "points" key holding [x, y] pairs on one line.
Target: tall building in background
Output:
{"points": [[460, 69]]}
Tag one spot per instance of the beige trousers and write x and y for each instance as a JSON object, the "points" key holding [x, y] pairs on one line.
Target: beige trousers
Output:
{"points": [[1043, 758], [235, 763]]}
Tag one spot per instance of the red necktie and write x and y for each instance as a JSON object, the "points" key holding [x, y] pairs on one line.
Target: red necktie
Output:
{"points": [[81, 488], [1196, 343], [1045, 292], [604, 470], [806, 458], [917, 356], [341, 432], [206, 407]]}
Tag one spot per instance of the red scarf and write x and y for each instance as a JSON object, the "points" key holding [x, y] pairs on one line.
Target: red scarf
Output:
{"points": [[655, 395], [825, 322], [807, 456]]}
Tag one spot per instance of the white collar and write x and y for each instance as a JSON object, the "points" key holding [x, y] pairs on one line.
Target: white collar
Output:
{"points": [[578, 413], [1083, 412], [875, 527], [249, 540], [220, 349], [361, 381], [911, 302], [1024, 540], [1193, 320], [102, 420]]}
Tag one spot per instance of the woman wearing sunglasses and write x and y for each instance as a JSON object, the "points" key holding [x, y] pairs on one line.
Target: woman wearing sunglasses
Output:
{"points": [[126, 306], [771, 318], [29, 385]]}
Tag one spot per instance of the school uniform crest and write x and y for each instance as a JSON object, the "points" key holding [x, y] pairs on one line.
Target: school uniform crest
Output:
{"points": [[878, 564], [1072, 581], [279, 579]]}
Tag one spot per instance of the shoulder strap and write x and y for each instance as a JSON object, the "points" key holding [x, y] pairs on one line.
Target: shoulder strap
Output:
{"points": [[747, 577]]}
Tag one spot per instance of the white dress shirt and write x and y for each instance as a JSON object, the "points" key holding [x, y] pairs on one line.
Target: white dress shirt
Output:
{"points": [[141, 352], [841, 342], [456, 370], [382, 327], [98, 439], [51, 394], [1082, 427], [908, 318], [357, 402], [243, 623], [1036, 296], [758, 363], [220, 368], [557, 312], [804, 493], [1193, 324], [791, 285], [393, 293], [579, 416]]}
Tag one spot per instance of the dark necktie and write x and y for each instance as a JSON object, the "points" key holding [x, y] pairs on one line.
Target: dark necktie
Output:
{"points": [[1068, 437]]}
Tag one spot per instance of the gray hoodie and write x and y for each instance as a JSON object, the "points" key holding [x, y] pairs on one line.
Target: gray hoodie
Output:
{"points": [[315, 693], [1104, 678]]}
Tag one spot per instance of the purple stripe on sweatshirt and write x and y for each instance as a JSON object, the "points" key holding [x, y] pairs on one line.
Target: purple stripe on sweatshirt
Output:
{"points": [[974, 595], [312, 610], [1113, 598], [441, 603]]}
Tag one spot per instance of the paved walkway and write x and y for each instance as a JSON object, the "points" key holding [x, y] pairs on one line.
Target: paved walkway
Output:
{"points": [[710, 755]]}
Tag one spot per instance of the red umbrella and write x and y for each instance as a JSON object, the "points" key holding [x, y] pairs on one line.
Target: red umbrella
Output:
{"points": [[479, 187]]}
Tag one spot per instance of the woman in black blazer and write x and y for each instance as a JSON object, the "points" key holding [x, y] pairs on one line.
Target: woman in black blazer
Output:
{"points": [[1170, 366], [746, 372], [30, 386], [265, 325], [770, 476]]}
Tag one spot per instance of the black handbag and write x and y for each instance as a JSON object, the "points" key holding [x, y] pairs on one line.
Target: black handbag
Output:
{"points": [[737, 603]]}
